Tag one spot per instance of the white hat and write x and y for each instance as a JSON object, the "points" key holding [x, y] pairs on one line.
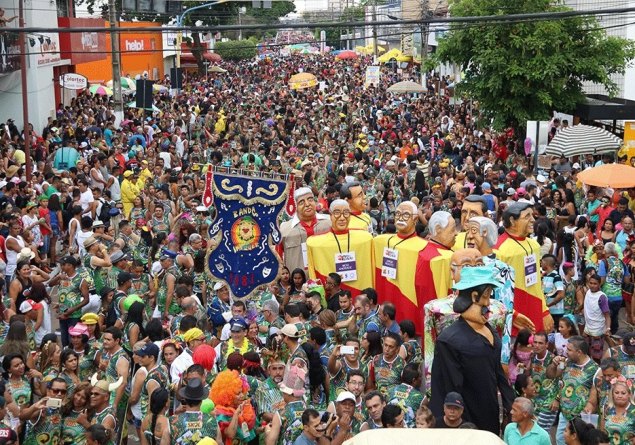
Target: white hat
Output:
{"points": [[541, 178], [576, 166], [219, 285], [290, 330], [201, 209], [390, 164], [26, 253], [83, 144], [394, 158], [345, 395], [98, 223], [3, 184]]}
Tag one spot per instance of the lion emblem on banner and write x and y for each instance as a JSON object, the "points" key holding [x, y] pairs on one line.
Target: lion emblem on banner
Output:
{"points": [[246, 231]]}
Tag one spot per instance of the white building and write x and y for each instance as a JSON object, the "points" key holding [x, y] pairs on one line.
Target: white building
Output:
{"points": [[302, 6], [43, 54], [620, 25]]}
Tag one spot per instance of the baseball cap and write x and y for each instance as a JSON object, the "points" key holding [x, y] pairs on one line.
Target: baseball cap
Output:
{"points": [[148, 349], [345, 395], [219, 285], [511, 192], [123, 277], [454, 399], [238, 324], [290, 330], [78, 329], [69, 260], [486, 186], [521, 191], [28, 305], [576, 166]]}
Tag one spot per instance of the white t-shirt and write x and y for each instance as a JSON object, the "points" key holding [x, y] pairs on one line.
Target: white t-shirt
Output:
{"points": [[45, 327], [85, 199]]}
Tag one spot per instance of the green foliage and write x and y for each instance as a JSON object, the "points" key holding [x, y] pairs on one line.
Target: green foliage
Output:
{"points": [[524, 70], [236, 49], [333, 35], [269, 16]]}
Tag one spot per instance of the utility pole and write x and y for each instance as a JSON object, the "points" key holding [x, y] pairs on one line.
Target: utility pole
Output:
{"points": [[115, 51], [25, 90], [375, 49], [423, 29]]}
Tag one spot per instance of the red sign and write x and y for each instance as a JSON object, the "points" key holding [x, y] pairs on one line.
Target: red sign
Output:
{"points": [[82, 47]]}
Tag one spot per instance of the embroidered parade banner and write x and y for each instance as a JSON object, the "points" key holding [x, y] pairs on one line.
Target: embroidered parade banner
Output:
{"points": [[245, 230]]}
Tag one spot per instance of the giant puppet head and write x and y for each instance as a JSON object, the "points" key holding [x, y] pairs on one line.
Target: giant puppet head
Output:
{"points": [[406, 217], [473, 205], [305, 203], [481, 234], [340, 215], [475, 289], [464, 258], [442, 228], [518, 219], [354, 194]]}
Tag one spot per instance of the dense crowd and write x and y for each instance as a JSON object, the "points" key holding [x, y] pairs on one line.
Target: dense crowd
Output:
{"points": [[108, 239]]}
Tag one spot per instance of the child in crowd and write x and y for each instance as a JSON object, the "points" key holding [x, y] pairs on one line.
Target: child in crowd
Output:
{"points": [[566, 329], [521, 354], [597, 317], [424, 417], [553, 287]]}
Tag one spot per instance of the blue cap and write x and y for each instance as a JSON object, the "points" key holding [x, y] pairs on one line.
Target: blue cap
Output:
{"points": [[169, 253], [238, 324], [148, 349], [476, 276], [486, 186]]}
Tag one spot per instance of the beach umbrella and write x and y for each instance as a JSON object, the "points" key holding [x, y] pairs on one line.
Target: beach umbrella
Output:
{"points": [[100, 90], [302, 80], [347, 55], [406, 86], [133, 104], [581, 140], [216, 69], [126, 83], [617, 176]]}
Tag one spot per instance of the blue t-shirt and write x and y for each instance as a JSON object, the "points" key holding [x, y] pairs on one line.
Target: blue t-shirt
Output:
{"points": [[552, 284]]}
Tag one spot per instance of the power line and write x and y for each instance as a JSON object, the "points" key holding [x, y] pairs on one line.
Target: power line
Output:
{"points": [[542, 16]]}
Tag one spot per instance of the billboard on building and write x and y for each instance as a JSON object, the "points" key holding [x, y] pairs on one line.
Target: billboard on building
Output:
{"points": [[45, 49], [82, 47]]}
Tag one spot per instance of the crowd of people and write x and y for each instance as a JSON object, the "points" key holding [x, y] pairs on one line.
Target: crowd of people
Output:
{"points": [[108, 239]]}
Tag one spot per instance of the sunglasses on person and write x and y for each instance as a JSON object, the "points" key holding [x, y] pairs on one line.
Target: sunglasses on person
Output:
{"points": [[59, 391]]}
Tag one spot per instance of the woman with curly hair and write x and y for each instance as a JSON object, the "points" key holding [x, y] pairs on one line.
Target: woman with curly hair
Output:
{"points": [[234, 412]]}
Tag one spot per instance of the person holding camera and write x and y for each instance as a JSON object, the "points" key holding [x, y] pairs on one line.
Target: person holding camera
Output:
{"points": [[316, 429], [44, 416]]}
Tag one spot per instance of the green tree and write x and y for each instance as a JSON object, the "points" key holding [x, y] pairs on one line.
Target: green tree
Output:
{"points": [[237, 49], [521, 71]]}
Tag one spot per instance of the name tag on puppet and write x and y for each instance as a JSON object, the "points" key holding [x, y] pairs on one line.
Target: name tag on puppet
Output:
{"points": [[346, 266], [531, 270], [389, 263], [305, 257]]}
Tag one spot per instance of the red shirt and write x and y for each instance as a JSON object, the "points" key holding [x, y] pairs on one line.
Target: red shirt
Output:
{"points": [[46, 214]]}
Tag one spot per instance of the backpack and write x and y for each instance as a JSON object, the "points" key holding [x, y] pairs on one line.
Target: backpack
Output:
{"points": [[104, 213]]}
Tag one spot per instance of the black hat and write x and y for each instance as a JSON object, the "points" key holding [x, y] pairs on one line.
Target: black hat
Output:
{"points": [[194, 390], [105, 291], [454, 399], [123, 277], [69, 260]]}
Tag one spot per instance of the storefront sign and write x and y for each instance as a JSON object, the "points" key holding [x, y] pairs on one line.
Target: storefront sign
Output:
{"points": [[82, 47], [72, 81], [46, 50]]}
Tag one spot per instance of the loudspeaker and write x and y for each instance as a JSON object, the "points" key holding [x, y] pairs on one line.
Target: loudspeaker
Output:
{"points": [[176, 78], [144, 94]]}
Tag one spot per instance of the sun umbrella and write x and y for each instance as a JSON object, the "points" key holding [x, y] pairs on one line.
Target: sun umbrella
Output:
{"points": [[216, 69], [583, 139], [617, 176], [302, 80], [406, 87], [347, 55], [100, 90], [126, 83], [133, 104]]}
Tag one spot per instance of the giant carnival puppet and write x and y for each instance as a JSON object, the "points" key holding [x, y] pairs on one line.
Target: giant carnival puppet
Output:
{"points": [[305, 222], [342, 250], [473, 205], [433, 265], [439, 314], [467, 354], [395, 255], [353, 193], [521, 253]]}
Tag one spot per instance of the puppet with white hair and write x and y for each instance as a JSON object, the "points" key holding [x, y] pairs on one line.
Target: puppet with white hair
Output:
{"points": [[395, 257], [306, 222], [482, 234], [345, 251]]}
